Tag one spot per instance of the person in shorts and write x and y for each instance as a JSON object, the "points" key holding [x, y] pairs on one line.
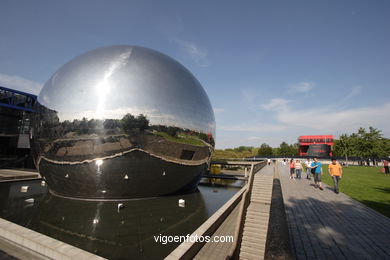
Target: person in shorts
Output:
{"points": [[335, 170], [317, 173], [292, 169]]}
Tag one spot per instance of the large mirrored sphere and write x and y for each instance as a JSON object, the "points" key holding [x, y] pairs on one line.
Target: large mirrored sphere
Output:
{"points": [[122, 122]]}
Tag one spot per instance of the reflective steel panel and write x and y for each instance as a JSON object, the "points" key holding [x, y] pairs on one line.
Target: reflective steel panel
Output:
{"points": [[123, 121]]}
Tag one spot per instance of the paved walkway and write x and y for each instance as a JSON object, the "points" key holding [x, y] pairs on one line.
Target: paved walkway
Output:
{"points": [[325, 225], [257, 216]]}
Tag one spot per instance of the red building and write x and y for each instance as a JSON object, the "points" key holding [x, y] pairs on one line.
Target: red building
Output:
{"points": [[315, 145]]}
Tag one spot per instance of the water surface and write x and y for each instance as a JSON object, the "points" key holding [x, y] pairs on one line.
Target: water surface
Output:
{"points": [[103, 229]]}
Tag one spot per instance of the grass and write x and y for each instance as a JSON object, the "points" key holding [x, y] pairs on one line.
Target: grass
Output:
{"points": [[184, 139], [223, 155], [365, 184]]}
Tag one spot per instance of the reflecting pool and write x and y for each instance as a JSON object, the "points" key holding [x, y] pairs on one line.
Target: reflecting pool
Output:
{"points": [[122, 229]]}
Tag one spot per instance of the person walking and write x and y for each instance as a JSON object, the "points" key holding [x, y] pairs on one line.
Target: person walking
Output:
{"points": [[292, 169], [386, 166], [317, 173], [308, 168], [335, 171], [269, 161], [298, 168]]}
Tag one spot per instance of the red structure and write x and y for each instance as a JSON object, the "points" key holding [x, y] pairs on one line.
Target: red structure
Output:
{"points": [[315, 145]]}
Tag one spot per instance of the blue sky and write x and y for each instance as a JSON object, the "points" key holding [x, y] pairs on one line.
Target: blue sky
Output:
{"points": [[273, 70]]}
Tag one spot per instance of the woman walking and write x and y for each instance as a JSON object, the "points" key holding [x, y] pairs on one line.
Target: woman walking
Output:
{"points": [[298, 169], [292, 169]]}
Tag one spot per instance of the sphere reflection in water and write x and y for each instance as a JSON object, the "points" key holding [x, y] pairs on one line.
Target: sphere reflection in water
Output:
{"points": [[98, 227], [122, 122]]}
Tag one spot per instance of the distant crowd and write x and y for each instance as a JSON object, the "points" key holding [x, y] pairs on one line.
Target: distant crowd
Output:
{"points": [[314, 168]]}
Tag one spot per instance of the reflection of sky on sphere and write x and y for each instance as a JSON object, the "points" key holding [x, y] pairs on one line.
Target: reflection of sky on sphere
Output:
{"points": [[110, 82]]}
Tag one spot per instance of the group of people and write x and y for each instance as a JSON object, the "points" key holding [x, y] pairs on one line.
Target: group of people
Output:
{"points": [[315, 168]]}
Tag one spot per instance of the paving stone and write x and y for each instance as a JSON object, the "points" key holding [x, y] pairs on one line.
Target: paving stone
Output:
{"points": [[326, 225]]}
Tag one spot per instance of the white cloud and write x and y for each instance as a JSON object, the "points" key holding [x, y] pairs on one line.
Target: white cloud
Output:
{"points": [[352, 93], [330, 118], [254, 127], [197, 54], [301, 87], [218, 110], [20, 83], [255, 138], [276, 104]]}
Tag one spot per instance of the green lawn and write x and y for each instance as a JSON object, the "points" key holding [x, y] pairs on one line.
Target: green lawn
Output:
{"points": [[181, 138], [365, 184]]}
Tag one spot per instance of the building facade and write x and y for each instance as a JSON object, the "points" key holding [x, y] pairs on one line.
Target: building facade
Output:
{"points": [[316, 145], [16, 109]]}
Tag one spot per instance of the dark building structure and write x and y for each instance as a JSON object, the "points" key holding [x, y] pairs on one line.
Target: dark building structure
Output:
{"points": [[16, 109], [315, 145]]}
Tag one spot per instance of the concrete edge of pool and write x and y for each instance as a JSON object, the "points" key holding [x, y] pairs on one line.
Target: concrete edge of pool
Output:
{"points": [[207, 228], [42, 244]]}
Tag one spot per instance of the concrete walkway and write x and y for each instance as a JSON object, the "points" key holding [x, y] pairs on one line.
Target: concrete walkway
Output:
{"points": [[325, 225]]}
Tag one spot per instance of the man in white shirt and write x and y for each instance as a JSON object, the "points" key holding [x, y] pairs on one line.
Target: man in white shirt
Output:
{"points": [[308, 168]]}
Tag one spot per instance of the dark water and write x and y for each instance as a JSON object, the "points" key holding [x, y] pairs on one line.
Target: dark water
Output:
{"points": [[99, 227]]}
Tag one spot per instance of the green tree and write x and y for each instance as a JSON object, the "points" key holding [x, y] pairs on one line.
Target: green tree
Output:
{"points": [[83, 127], [276, 151], [365, 143], [286, 149], [369, 144], [142, 122], [265, 150], [343, 146], [111, 123], [128, 122]]}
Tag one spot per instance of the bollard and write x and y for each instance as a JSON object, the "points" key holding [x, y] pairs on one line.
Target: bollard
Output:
{"points": [[31, 200], [120, 206]]}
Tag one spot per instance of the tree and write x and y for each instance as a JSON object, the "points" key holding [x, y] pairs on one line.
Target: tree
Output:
{"points": [[369, 144], [172, 131], [142, 122], [265, 150], [344, 146], [83, 127], [128, 122], [364, 144], [287, 149], [111, 123], [284, 149]]}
